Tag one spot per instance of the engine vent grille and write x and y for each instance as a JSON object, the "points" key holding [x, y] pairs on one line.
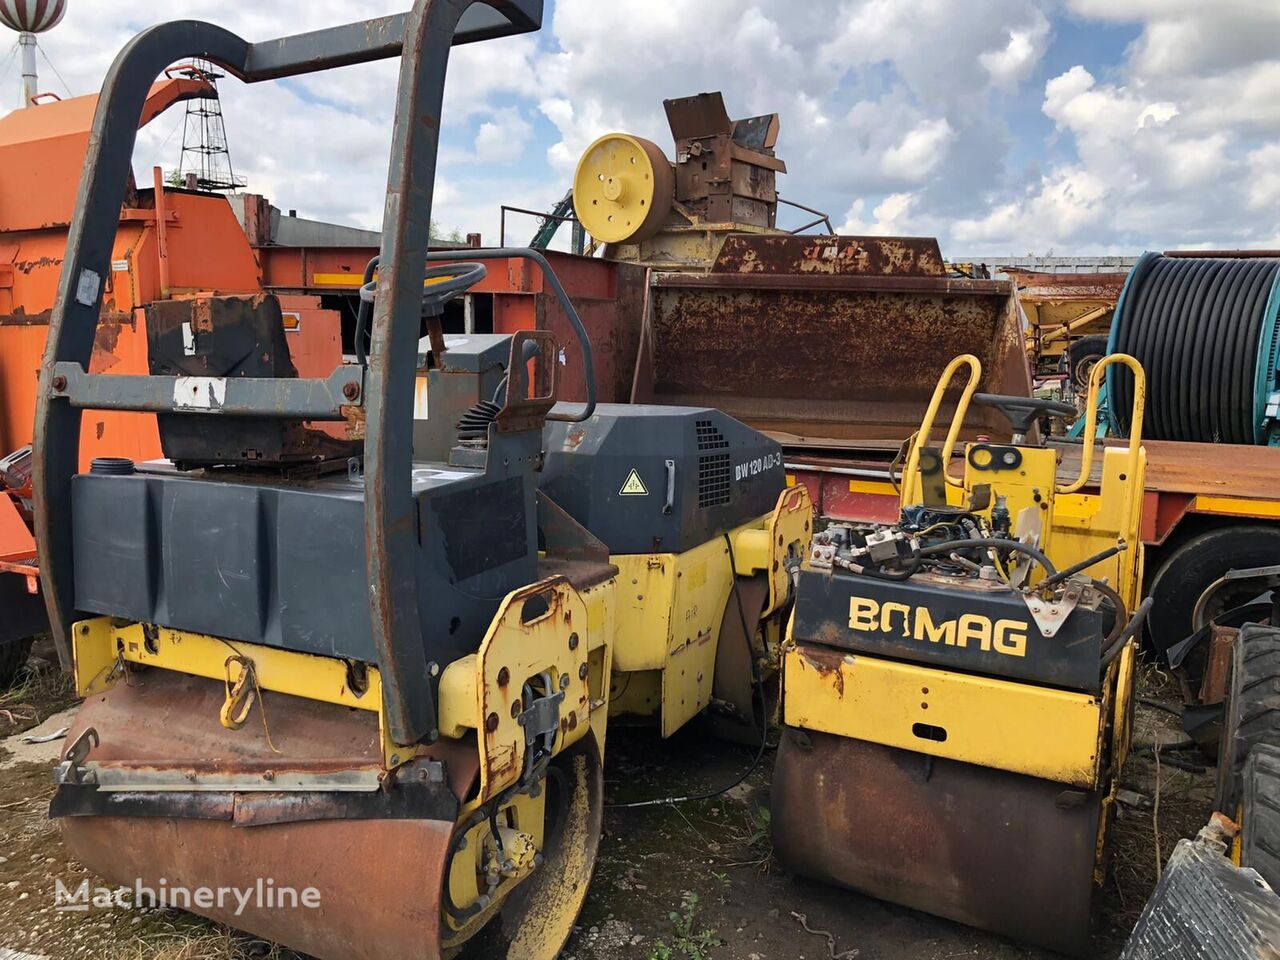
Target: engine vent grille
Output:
{"points": [[709, 436], [713, 479]]}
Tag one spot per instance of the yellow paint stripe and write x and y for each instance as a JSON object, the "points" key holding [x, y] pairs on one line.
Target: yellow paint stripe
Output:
{"points": [[1237, 507], [878, 487], [336, 279], [354, 280]]}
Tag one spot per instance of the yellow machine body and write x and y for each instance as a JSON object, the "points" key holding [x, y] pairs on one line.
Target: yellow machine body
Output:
{"points": [[896, 758], [289, 718]]}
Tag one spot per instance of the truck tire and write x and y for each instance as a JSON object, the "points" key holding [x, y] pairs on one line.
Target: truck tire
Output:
{"points": [[13, 656], [1252, 715], [1192, 567], [1081, 356], [1260, 821]]}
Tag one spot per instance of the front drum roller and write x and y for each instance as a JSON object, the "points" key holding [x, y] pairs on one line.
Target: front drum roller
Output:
{"points": [[1001, 851], [380, 881]]}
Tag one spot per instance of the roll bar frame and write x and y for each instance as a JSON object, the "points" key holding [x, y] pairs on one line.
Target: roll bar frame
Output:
{"points": [[422, 38]]}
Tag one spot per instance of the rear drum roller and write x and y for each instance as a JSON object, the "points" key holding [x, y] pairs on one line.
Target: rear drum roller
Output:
{"points": [[1001, 851]]}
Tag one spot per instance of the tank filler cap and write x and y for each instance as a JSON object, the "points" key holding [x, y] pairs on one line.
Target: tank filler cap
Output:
{"points": [[112, 466]]}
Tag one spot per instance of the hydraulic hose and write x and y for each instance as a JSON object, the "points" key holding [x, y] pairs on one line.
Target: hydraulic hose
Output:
{"points": [[990, 542], [1084, 564]]}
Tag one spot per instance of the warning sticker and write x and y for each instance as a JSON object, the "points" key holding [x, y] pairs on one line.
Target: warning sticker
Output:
{"points": [[633, 486]]}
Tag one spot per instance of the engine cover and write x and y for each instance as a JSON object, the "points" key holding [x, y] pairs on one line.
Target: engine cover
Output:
{"points": [[658, 479]]}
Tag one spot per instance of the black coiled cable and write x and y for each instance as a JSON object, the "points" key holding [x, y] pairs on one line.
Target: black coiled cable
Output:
{"points": [[1194, 323]]}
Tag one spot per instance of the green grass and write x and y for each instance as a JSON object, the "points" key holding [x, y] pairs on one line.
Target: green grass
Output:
{"points": [[690, 941]]}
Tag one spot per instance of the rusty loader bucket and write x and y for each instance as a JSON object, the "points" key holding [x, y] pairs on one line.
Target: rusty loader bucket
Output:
{"points": [[827, 342]]}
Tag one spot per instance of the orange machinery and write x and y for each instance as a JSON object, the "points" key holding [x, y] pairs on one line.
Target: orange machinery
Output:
{"points": [[170, 243]]}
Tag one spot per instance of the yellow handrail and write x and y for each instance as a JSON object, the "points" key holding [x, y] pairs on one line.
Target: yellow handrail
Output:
{"points": [[911, 472], [1091, 418]]}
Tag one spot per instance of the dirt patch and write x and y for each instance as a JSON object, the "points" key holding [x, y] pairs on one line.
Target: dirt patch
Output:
{"points": [[40, 690], [41, 744], [1163, 765]]}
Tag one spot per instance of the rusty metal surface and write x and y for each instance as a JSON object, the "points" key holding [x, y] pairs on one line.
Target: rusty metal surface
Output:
{"points": [[161, 718], [829, 357], [1217, 669], [361, 915], [832, 256], [1063, 287], [1214, 469], [985, 847]]}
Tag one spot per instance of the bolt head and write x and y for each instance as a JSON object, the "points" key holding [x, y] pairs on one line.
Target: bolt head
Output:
{"points": [[59, 383], [351, 390], [491, 722], [582, 672], [573, 641]]}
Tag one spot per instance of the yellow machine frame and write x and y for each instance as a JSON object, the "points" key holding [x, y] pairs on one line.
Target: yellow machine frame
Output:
{"points": [[1071, 738]]}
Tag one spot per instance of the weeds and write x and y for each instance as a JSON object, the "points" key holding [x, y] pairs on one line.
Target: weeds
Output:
{"points": [[36, 695], [689, 941]]}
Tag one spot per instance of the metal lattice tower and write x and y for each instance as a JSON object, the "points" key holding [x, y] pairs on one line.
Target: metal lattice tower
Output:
{"points": [[204, 138]]}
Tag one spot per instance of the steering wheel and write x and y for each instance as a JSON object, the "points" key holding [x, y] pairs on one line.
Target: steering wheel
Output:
{"points": [[1021, 412], [450, 279]]}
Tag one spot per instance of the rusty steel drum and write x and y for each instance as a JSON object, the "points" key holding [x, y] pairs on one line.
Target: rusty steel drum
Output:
{"points": [[1001, 851], [379, 881]]}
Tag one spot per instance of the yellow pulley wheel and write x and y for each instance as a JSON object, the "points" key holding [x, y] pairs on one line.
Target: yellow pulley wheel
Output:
{"points": [[623, 188]]}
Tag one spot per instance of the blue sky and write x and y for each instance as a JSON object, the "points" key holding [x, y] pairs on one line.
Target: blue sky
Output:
{"points": [[999, 126]]}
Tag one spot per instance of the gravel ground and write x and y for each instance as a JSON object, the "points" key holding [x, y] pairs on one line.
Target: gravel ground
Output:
{"points": [[695, 881]]}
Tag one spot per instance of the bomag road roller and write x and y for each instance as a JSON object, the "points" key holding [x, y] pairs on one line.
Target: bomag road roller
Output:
{"points": [[372, 665], [957, 687]]}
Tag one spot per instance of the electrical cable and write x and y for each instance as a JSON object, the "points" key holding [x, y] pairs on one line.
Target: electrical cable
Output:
{"points": [[66, 86], [1084, 564], [8, 64], [747, 634], [1196, 325]]}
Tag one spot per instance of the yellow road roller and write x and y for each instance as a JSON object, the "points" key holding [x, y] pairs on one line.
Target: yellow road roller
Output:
{"points": [[327, 650], [957, 688]]}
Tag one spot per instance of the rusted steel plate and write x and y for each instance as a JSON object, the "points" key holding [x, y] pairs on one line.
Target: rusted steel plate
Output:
{"points": [[1213, 469], [1062, 287], [985, 847], [857, 363], [733, 684], [831, 256]]}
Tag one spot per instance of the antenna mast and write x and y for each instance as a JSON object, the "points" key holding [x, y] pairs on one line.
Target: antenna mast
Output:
{"points": [[205, 154]]}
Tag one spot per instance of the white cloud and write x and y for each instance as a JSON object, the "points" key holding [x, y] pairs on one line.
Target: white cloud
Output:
{"points": [[920, 151], [896, 113], [502, 138]]}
